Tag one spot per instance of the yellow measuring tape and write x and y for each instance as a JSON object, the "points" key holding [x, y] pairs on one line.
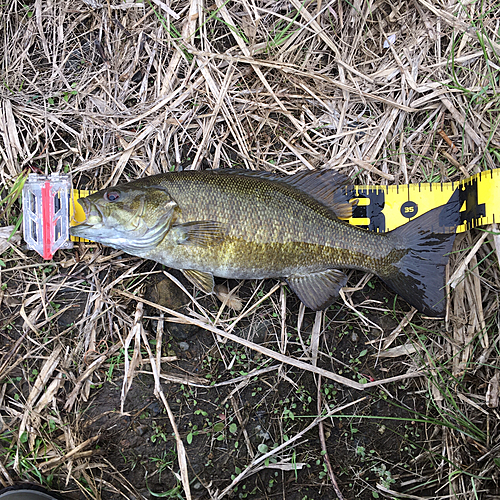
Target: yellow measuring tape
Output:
{"points": [[384, 208]]}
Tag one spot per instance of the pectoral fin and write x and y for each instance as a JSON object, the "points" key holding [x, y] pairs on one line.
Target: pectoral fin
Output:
{"points": [[204, 281], [317, 291], [200, 233]]}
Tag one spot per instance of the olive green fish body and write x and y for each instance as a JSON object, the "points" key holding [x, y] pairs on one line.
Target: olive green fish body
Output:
{"points": [[269, 230], [246, 225]]}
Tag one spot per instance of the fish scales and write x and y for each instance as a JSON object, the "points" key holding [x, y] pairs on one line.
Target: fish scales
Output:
{"points": [[250, 225], [261, 240]]}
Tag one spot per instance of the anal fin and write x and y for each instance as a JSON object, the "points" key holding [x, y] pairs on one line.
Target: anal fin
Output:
{"points": [[318, 290], [204, 281]]}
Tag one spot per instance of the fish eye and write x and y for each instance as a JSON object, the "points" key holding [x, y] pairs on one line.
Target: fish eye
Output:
{"points": [[111, 195]]}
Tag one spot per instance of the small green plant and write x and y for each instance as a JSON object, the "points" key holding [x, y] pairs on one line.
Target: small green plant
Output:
{"points": [[175, 492], [361, 452], [157, 433], [263, 448], [164, 462], [193, 432], [8, 202], [114, 362], [282, 32], [385, 478], [357, 360], [66, 95]]}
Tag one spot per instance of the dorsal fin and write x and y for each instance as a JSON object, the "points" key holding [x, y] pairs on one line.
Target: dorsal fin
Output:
{"points": [[326, 187]]}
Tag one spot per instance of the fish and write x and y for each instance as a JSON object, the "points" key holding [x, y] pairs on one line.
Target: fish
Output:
{"points": [[243, 224]]}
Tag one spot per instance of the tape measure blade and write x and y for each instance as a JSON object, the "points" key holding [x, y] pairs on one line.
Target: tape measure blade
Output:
{"points": [[77, 215], [488, 196], [398, 208]]}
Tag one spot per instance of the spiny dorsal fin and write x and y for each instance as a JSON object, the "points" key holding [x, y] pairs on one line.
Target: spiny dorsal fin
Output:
{"points": [[317, 291], [326, 187]]}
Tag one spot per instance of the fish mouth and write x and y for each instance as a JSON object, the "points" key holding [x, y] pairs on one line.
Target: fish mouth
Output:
{"points": [[94, 219]]}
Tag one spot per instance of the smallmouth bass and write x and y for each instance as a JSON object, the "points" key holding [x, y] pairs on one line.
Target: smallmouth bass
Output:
{"points": [[252, 225]]}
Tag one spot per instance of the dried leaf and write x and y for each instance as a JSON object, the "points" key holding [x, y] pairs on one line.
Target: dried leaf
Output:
{"points": [[492, 392]]}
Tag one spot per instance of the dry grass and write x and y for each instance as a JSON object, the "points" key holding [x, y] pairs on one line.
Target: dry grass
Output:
{"points": [[112, 91]]}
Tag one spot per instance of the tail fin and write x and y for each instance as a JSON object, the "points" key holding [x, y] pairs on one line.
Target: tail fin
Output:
{"points": [[419, 276]]}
